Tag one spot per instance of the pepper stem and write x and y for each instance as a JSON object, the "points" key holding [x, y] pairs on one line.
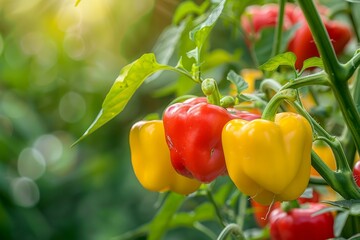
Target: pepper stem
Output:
{"points": [[211, 90], [272, 107], [288, 205], [232, 228]]}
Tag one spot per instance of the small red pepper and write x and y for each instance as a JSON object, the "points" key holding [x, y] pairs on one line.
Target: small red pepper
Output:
{"points": [[193, 134], [256, 18], [261, 212], [301, 223], [356, 173], [303, 44]]}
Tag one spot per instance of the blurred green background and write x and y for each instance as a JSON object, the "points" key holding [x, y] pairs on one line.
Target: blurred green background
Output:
{"points": [[57, 62]]}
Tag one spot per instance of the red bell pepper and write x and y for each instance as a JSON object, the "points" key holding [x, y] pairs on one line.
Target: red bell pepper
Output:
{"points": [[356, 173], [259, 17], [300, 223], [193, 134], [261, 212], [302, 44]]}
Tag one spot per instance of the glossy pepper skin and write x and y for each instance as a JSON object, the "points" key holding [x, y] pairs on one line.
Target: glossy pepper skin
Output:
{"points": [[304, 47], [300, 224], [269, 161], [150, 158], [302, 43], [193, 134], [356, 173], [262, 212]]}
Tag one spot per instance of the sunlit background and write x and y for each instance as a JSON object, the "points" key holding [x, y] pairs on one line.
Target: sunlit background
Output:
{"points": [[57, 62]]}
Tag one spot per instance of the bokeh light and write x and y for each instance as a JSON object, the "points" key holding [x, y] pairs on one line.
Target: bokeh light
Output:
{"points": [[25, 192], [50, 147], [72, 107], [31, 163]]}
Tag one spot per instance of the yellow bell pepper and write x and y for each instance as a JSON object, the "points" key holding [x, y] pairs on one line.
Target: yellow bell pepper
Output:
{"points": [[150, 158], [269, 161], [250, 76], [325, 153]]}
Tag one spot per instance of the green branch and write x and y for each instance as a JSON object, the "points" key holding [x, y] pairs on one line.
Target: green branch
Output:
{"points": [[338, 74], [232, 228], [321, 38], [278, 29]]}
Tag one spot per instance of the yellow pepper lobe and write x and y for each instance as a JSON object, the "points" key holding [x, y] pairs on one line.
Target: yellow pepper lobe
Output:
{"points": [[150, 158], [268, 160]]}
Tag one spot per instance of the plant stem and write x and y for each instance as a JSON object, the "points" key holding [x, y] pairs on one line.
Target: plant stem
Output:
{"points": [[348, 108], [343, 176], [180, 71], [338, 73], [272, 107], [211, 90], [217, 210], [205, 230], [352, 20], [319, 78], [321, 37], [341, 182], [351, 66], [346, 137], [231, 228], [241, 212], [278, 29]]}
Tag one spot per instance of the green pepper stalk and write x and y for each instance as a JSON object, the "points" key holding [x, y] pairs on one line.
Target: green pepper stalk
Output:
{"points": [[210, 89], [272, 107], [278, 29], [338, 73], [343, 176]]}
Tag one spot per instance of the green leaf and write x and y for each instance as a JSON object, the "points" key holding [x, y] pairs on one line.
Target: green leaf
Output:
{"points": [[346, 204], [200, 33], [247, 97], [130, 79], [193, 54], [339, 222], [218, 57], [187, 8], [167, 43], [325, 210], [165, 46], [161, 222], [137, 233], [283, 59], [312, 62], [264, 45], [204, 212], [239, 82], [77, 2], [355, 209], [355, 237]]}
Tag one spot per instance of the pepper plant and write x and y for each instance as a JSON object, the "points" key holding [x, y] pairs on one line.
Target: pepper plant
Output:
{"points": [[257, 85]]}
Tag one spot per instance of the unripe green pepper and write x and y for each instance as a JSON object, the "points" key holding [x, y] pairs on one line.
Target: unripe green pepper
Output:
{"points": [[269, 161], [151, 162]]}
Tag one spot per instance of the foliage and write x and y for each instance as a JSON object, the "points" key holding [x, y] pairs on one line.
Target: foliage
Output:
{"points": [[57, 61]]}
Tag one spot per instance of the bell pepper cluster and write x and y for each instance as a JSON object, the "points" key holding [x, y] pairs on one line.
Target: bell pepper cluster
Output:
{"points": [[196, 142], [185, 149], [150, 159], [298, 219], [257, 18]]}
